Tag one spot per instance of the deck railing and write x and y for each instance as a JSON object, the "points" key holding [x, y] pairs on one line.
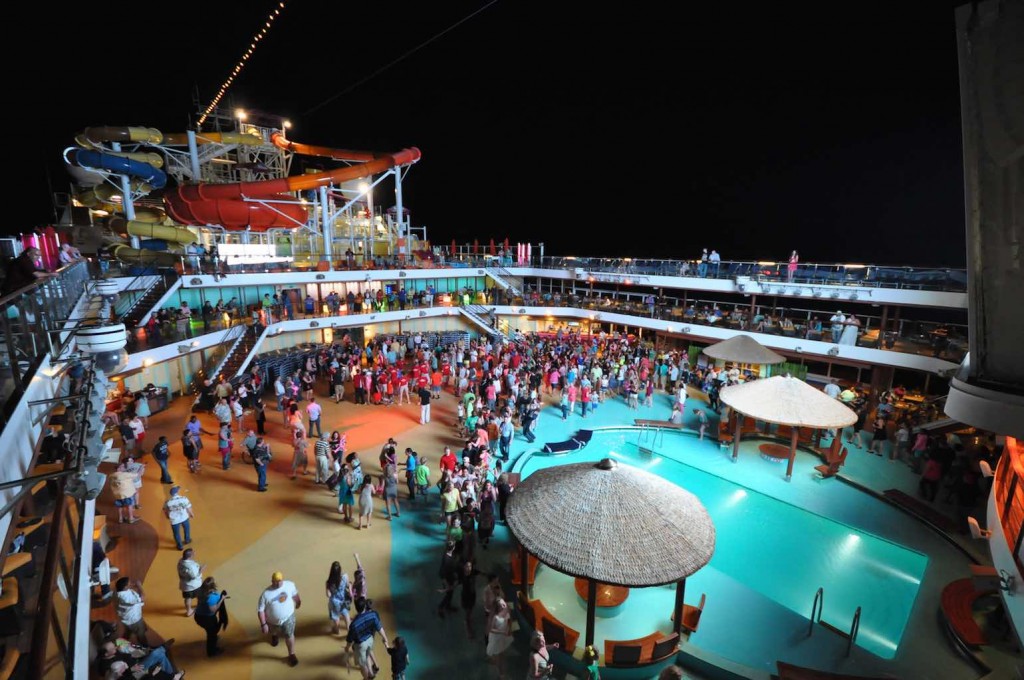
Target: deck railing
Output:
{"points": [[806, 273], [28, 317]]}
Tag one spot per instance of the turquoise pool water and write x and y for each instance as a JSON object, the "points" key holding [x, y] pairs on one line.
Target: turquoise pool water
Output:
{"points": [[782, 551]]}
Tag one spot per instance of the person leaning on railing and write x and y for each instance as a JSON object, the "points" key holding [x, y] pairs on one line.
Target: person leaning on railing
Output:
{"points": [[24, 270]]}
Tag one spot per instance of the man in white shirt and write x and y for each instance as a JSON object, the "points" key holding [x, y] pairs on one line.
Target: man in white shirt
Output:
{"points": [[832, 389], [715, 259], [313, 410], [67, 254], [223, 411], [838, 319], [276, 611], [279, 393], [179, 510], [190, 579], [238, 412], [130, 600]]}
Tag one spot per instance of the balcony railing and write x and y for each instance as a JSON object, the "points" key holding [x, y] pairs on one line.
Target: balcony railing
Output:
{"points": [[806, 273], [28, 318]]}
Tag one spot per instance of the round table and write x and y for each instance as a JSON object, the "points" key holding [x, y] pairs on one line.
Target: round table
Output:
{"points": [[774, 453], [607, 595]]}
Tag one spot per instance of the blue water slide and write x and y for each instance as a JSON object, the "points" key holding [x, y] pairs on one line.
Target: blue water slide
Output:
{"points": [[153, 244], [96, 160]]}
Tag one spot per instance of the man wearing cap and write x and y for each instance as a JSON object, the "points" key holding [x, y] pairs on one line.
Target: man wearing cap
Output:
{"points": [[838, 319], [276, 611], [179, 510]]}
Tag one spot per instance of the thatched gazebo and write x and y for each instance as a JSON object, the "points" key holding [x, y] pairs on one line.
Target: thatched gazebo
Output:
{"points": [[743, 349], [612, 524], [786, 401]]}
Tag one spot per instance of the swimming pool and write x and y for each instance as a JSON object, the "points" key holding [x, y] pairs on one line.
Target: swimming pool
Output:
{"points": [[781, 551]]}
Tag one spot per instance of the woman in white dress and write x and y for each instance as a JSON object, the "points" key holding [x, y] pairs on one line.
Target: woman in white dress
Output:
{"points": [[499, 635], [142, 409], [851, 329]]}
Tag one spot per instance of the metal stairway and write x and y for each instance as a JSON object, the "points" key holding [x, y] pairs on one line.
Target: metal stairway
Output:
{"points": [[142, 304], [486, 319], [505, 279]]}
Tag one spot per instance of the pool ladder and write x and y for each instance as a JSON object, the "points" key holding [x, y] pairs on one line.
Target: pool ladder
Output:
{"points": [[655, 434], [816, 609]]}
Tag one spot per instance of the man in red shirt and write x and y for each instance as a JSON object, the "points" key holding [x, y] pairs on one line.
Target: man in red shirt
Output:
{"points": [[448, 460]]}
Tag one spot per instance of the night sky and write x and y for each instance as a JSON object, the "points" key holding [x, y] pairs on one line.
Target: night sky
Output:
{"points": [[833, 128]]}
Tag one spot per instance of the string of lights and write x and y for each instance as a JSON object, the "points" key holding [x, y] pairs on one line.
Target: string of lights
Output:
{"points": [[262, 33]]}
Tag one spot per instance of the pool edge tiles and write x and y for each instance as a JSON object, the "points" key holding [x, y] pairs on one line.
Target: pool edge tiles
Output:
{"points": [[785, 552]]}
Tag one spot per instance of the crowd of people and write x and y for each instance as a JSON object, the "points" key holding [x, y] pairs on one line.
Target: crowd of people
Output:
{"points": [[942, 460], [500, 390]]}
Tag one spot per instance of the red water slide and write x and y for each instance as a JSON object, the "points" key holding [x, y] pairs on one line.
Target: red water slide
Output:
{"points": [[226, 204]]}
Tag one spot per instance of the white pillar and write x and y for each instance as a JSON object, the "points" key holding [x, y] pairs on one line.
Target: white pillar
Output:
{"points": [[328, 227], [129, 206], [403, 243], [193, 155]]}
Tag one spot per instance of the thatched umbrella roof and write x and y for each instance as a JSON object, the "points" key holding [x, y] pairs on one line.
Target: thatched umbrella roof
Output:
{"points": [[788, 401], [612, 523], [743, 349]]}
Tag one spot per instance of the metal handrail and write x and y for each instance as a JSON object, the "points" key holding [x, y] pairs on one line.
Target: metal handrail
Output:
{"points": [[59, 273], [234, 345], [854, 629], [807, 273], [816, 609], [142, 292]]}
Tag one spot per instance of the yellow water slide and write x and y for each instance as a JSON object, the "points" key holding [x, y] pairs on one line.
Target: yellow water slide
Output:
{"points": [[147, 228], [130, 255], [94, 137]]}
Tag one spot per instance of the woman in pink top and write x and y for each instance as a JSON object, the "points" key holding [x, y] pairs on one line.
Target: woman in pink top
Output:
{"points": [[794, 258], [554, 379], [571, 391]]}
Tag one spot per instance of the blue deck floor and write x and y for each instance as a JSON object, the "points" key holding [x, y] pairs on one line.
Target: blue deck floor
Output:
{"points": [[738, 623]]}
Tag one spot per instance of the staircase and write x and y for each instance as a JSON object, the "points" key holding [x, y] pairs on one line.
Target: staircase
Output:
{"points": [[143, 304], [238, 352], [483, 317], [506, 279]]}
